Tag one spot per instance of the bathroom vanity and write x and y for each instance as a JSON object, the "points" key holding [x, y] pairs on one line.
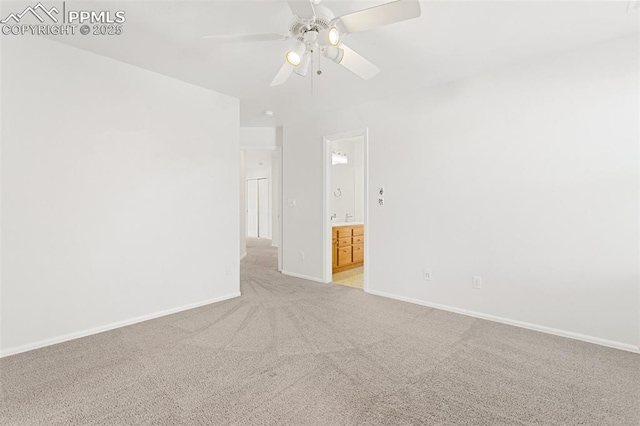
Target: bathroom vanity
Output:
{"points": [[348, 246]]}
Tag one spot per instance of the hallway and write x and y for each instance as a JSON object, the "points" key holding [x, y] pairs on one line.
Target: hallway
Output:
{"points": [[289, 351]]}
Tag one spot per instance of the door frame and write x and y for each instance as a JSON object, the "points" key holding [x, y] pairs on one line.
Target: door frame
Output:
{"points": [[327, 260]]}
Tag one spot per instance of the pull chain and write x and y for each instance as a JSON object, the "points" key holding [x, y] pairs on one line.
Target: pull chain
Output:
{"points": [[313, 68]]}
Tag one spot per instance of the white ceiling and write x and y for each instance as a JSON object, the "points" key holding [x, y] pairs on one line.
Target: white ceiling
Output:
{"points": [[452, 40]]}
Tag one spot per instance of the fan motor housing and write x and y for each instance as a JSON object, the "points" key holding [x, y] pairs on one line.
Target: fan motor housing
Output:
{"points": [[321, 21]]}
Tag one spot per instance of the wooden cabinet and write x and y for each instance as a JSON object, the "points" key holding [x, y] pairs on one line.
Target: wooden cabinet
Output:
{"points": [[348, 247], [357, 253], [334, 250], [344, 256]]}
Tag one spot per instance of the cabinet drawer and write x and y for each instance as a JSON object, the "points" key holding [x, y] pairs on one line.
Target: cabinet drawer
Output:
{"points": [[344, 232], [343, 242], [358, 253], [344, 256], [358, 230], [358, 239]]}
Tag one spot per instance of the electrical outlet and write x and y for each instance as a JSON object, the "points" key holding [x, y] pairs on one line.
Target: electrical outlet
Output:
{"points": [[228, 270], [301, 255], [426, 274], [476, 282]]}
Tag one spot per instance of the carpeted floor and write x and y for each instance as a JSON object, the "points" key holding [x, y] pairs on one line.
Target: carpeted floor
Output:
{"points": [[296, 352]]}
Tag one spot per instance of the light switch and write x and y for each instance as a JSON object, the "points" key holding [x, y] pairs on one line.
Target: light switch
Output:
{"points": [[380, 195], [291, 202]]}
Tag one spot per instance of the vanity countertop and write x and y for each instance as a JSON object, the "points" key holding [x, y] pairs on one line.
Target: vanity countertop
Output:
{"points": [[346, 223]]}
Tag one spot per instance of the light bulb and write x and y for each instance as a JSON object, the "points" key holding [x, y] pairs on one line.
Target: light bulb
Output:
{"points": [[293, 58], [334, 36]]}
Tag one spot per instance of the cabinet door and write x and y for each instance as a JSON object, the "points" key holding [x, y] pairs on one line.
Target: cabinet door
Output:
{"points": [[358, 253], [344, 256]]}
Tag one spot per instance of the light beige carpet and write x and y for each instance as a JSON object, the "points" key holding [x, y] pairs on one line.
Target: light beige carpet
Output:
{"points": [[352, 278], [296, 352]]}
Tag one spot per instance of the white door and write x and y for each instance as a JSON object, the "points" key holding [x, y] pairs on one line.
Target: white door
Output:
{"points": [[258, 208], [263, 209], [252, 208]]}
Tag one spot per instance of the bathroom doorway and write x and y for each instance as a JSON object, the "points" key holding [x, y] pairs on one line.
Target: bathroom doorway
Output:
{"points": [[345, 207]]}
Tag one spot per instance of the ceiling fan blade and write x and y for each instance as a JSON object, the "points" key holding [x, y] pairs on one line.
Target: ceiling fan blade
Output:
{"points": [[357, 64], [243, 38], [385, 14], [302, 8], [283, 75]]}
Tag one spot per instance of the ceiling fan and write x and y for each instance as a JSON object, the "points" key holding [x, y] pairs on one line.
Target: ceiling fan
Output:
{"points": [[314, 30]]}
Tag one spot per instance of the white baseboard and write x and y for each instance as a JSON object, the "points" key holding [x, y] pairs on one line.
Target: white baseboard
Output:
{"points": [[529, 326], [304, 277], [100, 329], [242, 256]]}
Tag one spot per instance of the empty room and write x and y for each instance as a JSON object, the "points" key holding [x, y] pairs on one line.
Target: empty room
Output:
{"points": [[320, 212]]}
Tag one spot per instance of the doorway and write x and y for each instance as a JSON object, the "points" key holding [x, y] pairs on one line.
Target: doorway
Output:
{"points": [[260, 197], [258, 212], [345, 209]]}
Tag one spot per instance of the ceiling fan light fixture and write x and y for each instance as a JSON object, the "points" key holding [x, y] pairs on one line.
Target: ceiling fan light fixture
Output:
{"points": [[315, 28], [329, 37], [333, 36], [333, 53], [295, 53]]}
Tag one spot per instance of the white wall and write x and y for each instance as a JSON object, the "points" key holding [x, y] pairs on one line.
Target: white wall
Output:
{"points": [[243, 206], [257, 138], [527, 177], [275, 197], [115, 205], [276, 181]]}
